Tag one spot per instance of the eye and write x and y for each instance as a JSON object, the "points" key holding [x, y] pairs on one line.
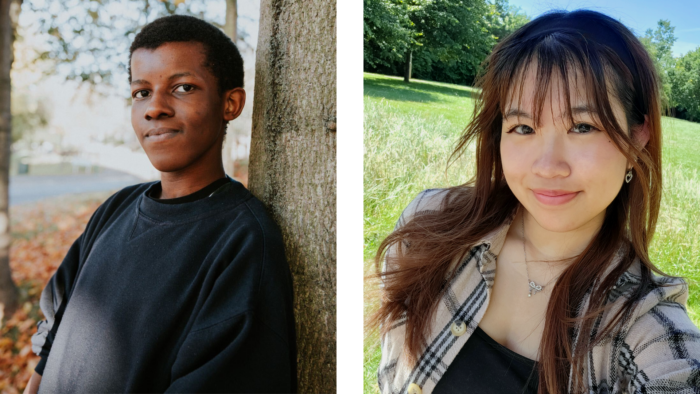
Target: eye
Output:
{"points": [[522, 129], [185, 87], [583, 128], [136, 95]]}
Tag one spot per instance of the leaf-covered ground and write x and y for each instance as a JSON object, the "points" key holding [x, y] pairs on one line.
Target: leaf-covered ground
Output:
{"points": [[42, 233]]}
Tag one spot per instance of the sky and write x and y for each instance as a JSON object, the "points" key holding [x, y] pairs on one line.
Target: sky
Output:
{"points": [[638, 15]]}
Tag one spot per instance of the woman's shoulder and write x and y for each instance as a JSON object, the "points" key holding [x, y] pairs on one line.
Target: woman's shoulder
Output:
{"points": [[662, 344], [427, 201]]}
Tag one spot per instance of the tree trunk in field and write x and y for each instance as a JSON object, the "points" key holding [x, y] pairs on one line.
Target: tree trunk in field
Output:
{"points": [[230, 28], [292, 166], [408, 66], [9, 12]]}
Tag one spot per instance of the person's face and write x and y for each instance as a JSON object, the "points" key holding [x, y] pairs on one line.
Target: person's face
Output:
{"points": [[177, 112], [564, 175]]}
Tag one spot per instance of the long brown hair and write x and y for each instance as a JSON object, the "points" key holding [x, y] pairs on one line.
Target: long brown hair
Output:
{"points": [[612, 62]]}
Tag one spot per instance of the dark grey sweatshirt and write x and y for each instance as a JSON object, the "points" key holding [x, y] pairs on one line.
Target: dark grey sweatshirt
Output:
{"points": [[154, 297]]}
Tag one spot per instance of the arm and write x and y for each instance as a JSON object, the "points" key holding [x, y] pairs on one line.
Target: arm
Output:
{"points": [[53, 302], [33, 385], [243, 336], [661, 352]]}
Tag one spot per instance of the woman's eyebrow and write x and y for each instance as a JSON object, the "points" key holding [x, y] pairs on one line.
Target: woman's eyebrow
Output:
{"points": [[581, 109], [516, 112], [170, 78]]}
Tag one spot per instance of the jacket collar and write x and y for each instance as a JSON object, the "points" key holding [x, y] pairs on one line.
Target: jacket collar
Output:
{"points": [[494, 243]]}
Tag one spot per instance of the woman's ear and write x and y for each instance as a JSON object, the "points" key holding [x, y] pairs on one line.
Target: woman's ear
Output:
{"points": [[640, 134], [234, 101]]}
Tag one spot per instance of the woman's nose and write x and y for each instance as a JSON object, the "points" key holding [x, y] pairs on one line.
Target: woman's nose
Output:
{"points": [[551, 161]]}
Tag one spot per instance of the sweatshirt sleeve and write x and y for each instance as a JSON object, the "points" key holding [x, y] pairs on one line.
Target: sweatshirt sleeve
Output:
{"points": [[243, 337], [661, 353], [53, 302], [239, 355]]}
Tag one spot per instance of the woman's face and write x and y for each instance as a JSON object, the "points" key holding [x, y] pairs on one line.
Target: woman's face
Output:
{"points": [[564, 175]]}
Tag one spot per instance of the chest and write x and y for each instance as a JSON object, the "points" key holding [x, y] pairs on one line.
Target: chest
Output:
{"points": [[513, 319]]}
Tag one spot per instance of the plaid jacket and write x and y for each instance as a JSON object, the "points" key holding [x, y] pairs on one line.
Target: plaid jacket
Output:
{"points": [[656, 351]]}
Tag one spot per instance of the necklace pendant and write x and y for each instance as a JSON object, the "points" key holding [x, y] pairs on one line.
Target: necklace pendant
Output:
{"points": [[534, 288]]}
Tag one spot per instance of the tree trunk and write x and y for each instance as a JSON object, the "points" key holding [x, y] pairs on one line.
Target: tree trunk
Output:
{"points": [[230, 28], [292, 166], [231, 25], [408, 67], [9, 12]]}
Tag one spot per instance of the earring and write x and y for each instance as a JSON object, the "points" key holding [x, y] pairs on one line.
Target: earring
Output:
{"points": [[628, 177]]}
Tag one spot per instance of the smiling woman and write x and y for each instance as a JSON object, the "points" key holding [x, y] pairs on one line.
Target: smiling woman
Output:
{"points": [[535, 276]]}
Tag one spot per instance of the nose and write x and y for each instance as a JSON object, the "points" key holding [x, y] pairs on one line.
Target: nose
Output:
{"points": [[551, 160], [158, 107]]}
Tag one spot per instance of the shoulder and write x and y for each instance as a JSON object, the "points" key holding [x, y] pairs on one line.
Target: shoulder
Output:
{"points": [[116, 203], [662, 344], [427, 201]]}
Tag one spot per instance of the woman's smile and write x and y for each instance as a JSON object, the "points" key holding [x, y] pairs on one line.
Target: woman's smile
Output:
{"points": [[554, 197]]}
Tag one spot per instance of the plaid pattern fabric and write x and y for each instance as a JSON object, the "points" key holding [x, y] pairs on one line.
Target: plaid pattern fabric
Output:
{"points": [[657, 349]]}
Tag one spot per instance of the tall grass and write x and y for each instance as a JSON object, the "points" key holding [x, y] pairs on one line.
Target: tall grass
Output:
{"points": [[410, 131]]}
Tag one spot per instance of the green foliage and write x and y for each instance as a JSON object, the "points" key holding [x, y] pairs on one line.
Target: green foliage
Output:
{"points": [[684, 80], [387, 32], [448, 39], [504, 18], [659, 43]]}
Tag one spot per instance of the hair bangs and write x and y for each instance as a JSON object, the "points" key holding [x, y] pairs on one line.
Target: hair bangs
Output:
{"points": [[561, 62]]}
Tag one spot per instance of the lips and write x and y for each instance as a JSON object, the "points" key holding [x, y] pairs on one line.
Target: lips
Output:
{"points": [[161, 134], [160, 130], [554, 197]]}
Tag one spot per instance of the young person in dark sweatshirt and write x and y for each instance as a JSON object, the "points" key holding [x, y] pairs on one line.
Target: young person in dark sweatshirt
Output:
{"points": [[179, 285]]}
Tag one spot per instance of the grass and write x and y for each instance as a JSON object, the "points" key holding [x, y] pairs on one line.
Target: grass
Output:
{"points": [[410, 130]]}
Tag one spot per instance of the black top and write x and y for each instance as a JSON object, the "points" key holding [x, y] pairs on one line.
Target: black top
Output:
{"points": [[198, 195], [485, 366], [159, 297]]}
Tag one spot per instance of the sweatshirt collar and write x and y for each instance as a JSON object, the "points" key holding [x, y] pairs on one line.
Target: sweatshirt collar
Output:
{"points": [[225, 198]]}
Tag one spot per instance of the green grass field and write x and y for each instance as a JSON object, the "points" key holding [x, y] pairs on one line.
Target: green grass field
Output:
{"points": [[410, 130]]}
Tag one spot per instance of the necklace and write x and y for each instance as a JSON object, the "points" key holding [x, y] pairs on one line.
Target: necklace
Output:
{"points": [[534, 287]]}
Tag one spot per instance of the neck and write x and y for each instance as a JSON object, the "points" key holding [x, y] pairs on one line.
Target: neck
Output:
{"points": [[543, 245], [194, 177]]}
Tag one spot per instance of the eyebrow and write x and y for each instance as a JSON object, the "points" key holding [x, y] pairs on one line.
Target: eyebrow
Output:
{"points": [[581, 109], [170, 78]]}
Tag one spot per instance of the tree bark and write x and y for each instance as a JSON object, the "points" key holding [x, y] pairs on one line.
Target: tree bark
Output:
{"points": [[292, 167], [231, 30], [408, 66], [9, 12]]}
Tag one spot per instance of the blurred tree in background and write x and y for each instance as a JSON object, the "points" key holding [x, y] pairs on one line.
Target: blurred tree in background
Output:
{"points": [[440, 40], [684, 79], [659, 43]]}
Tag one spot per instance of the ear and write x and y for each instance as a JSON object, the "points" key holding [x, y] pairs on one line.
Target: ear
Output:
{"points": [[234, 101], [640, 134]]}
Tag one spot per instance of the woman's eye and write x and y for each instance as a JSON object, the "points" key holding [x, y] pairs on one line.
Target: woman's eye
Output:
{"points": [[583, 128], [523, 129], [186, 87], [136, 95]]}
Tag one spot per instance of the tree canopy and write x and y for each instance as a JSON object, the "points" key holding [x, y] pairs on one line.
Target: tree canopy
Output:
{"points": [[448, 39]]}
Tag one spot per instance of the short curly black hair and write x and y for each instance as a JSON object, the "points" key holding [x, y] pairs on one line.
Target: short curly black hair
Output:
{"points": [[222, 56]]}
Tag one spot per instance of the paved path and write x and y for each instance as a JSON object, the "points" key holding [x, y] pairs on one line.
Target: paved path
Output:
{"points": [[28, 188]]}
